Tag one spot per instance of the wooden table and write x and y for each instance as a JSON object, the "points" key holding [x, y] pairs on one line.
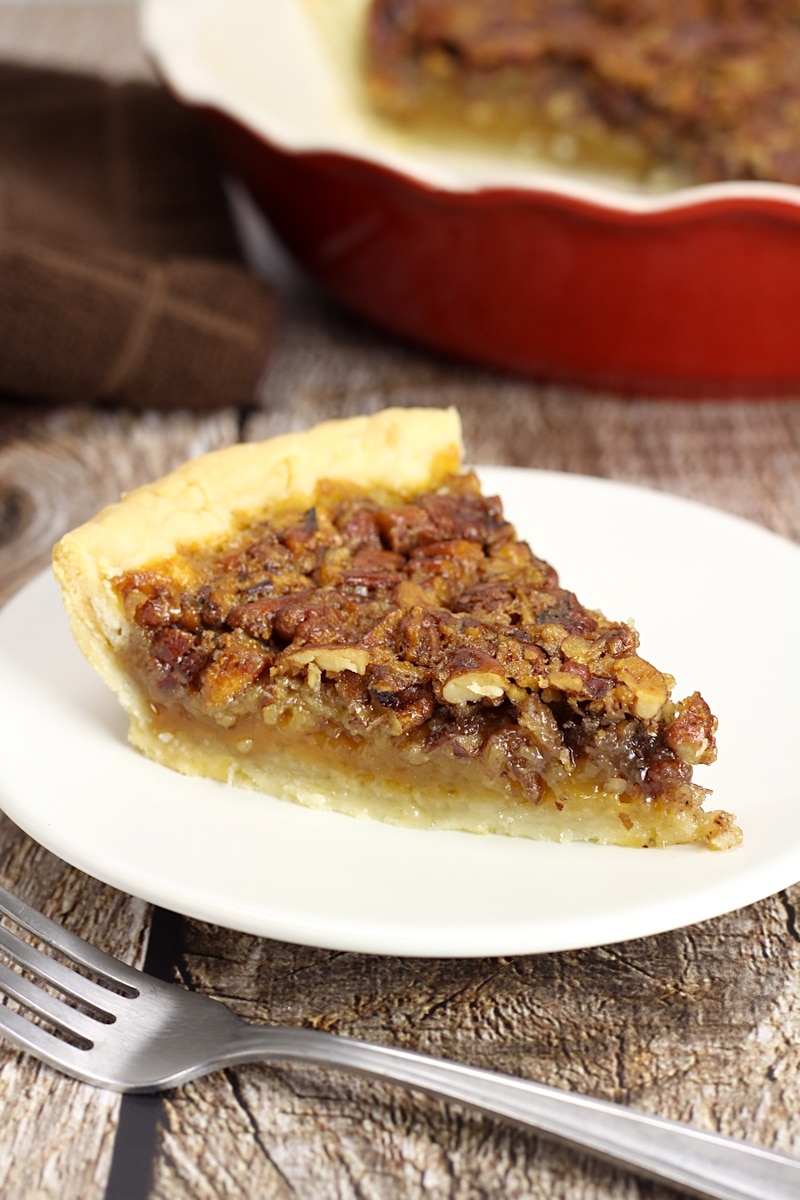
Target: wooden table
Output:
{"points": [[702, 1024]]}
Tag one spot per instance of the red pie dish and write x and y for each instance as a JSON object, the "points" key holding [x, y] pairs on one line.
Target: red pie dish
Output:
{"points": [[687, 291]]}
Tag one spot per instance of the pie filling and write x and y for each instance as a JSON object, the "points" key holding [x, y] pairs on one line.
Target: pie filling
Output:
{"points": [[409, 658], [665, 93]]}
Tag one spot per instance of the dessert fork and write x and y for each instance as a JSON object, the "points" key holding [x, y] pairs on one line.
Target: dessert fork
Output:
{"points": [[116, 1027]]}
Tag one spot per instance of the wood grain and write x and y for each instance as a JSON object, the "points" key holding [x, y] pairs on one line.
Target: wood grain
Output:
{"points": [[56, 1135], [699, 1024], [70, 462]]}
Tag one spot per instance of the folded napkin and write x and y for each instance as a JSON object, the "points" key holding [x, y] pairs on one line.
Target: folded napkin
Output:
{"points": [[120, 277]]}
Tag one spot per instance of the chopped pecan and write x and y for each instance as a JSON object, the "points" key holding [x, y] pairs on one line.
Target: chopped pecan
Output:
{"points": [[691, 732], [419, 639], [406, 527], [410, 593], [664, 773], [564, 609], [370, 570], [541, 724], [648, 685], [521, 659], [329, 658], [473, 518], [473, 675], [150, 600], [304, 618], [256, 617], [620, 640], [360, 529], [491, 598], [182, 655], [577, 678], [404, 690], [509, 752], [236, 665]]}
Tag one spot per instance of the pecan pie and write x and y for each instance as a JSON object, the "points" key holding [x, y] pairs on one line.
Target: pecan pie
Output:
{"points": [[707, 88], [341, 618]]}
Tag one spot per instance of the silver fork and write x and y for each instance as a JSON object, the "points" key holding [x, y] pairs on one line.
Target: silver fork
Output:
{"points": [[134, 1033]]}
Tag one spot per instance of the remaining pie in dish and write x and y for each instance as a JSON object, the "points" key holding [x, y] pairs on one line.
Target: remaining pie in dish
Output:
{"points": [[339, 617], [684, 90]]}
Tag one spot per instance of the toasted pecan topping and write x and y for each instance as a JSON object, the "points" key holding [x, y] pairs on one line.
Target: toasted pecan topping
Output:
{"points": [[426, 615], [706, 86]]}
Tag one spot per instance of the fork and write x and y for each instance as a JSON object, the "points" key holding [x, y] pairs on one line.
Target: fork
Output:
{"points": [[121, 1029]]}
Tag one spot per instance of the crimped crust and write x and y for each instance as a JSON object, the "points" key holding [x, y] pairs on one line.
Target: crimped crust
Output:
{"points": [[342, 618]]}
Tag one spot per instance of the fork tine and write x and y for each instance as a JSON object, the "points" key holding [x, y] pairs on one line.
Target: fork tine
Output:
{"points": [[117, 973], [47, 968], [65, 1018], [38, 1041]]}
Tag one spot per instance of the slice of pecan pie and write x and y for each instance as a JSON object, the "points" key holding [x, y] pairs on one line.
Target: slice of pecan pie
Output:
{"points": [[339, 617]]}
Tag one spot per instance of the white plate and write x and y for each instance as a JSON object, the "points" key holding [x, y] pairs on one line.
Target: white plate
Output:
{"points": [[716, 603]]}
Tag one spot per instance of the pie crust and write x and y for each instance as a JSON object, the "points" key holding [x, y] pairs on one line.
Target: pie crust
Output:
{"points": [[338, 617]]}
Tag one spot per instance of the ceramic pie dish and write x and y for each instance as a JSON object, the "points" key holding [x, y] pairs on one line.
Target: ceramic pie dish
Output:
{"points": [[690, 291]]}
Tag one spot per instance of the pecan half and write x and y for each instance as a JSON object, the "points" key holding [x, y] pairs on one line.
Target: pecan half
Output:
{"points": [[473, 676]]}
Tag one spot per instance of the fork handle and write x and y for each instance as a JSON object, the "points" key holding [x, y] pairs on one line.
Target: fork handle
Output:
{"points": [[702, 1164]]}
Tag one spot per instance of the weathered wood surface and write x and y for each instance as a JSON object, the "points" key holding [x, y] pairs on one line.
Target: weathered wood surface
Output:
{"points": [[56, 1137], [702, 1024]]}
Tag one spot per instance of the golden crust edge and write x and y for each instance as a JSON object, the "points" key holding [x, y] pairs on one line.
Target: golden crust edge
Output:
{"points": [[409, 448]]}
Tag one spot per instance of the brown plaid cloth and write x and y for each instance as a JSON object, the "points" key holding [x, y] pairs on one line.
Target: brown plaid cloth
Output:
{"points": [[120, 279]]}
